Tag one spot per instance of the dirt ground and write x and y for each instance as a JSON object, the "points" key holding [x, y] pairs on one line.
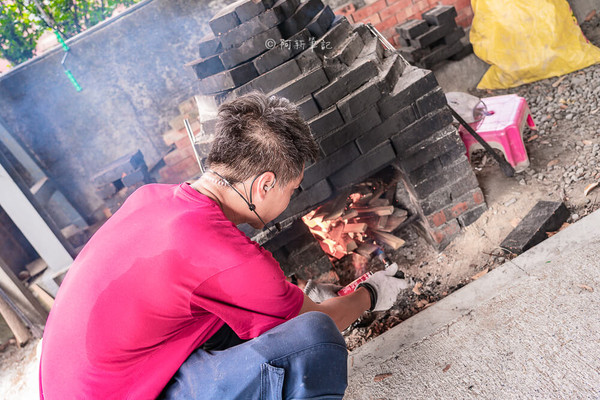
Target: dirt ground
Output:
{"points": [[563, 155]]}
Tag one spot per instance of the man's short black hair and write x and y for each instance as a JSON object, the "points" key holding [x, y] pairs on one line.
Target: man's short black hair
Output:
{"points": [[256, 133]]}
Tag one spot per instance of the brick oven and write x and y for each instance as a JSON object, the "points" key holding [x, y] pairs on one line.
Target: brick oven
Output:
{"points": [[372, 114]]}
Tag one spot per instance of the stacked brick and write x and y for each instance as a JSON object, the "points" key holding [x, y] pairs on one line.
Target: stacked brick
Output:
{"points": [[433, 39], [366, 108], [120, 178], [385, 15]]}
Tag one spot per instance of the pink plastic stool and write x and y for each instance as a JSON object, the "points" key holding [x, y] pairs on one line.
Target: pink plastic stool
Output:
{"points": [[502, 128]]}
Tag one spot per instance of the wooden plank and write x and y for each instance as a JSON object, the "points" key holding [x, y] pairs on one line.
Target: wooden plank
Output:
{"points": [[388, 239], [366, 249], [359, 227], [394, 220], [380, 210]]}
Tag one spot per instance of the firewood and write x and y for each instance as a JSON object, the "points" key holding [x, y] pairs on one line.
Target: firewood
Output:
{"points": [[349, 214], [394, 220], [379, 202], [351, 246], [382, 222], [360, 227], [380, 210], [387, 238], [366, 249]]}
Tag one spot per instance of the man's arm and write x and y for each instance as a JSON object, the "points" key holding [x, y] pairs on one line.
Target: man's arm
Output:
{"points": [[344, 310]]}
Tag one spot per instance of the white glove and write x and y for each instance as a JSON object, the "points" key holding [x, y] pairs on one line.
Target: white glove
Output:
{"points": [[319, 292], [386, 287]]}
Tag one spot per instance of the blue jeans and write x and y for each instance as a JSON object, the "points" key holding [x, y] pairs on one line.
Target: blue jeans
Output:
{"points": [[304, 358]]}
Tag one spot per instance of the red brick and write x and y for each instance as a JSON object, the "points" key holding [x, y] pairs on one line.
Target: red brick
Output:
{"points": [[478, 196], [172, 136], [374, 19], [394, 9], [386, 24], [464, 21], [389, 33], [396, 41], [437, 219], [185, 166], [458, 209], [367, 11], [421, 6], [445, 233]]}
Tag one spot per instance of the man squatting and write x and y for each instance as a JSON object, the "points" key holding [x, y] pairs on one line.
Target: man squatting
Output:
{"points": [[170, 299]]}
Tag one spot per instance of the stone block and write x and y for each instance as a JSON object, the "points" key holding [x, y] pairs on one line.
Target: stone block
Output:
{"points": [[325, 122], [207, 67], [302, 86], [334, 37], [209, 46], [320, 24], [288, 7], [229, 79], [389, 128], [440, 53], [359, 100], [412, 28], [282, 52], [327, 166], [544, 217], [272, 79], [301, 17], [421, 130], [364, 122], [248, 9], [250, 48], [431, 102], [307, 107], [260, 23], [352, 79], [224, 20], [308, 60], [364, 166], [413, 84], [440, 15], [434, 34]]}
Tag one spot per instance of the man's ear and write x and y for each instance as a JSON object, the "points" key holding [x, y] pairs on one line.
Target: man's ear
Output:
{"points": [[265, 182]]}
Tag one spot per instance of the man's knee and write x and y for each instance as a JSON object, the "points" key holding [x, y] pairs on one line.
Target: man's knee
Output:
{"points": [[318, 327]]}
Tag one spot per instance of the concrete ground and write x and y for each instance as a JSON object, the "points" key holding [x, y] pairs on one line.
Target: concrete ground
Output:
{"points": [[529, 329]]}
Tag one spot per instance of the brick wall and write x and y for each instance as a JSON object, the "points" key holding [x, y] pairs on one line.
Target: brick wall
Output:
{"points": [[386, 14]]}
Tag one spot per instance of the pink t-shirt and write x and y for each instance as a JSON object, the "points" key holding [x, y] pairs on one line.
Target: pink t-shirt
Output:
{"points": [[158, 279]]}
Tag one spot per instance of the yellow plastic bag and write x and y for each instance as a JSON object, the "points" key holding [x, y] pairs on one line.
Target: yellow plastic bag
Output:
{"points": [[528, 40]]}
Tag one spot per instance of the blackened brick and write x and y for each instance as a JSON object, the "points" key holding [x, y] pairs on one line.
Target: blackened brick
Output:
{"points": [[224, 20], [207, 67], [412, 28], [444, 196], [420, 130], [373, 48], [352, 79], [364, 166], [465, 51], [444, 141], [434, 34], [387, 129], [302, 86], [272, 79], [321, 22], [248, 9], [347, 52], [440, 15], [301, 18], [413, 83], [228, 79], [308, 60], [431, 102], [138, 176], [327, 166], [545, 216], [364, 122], [440, 53], [288, 7], [327, 121], [260, 23], [209, 46], [452, 37], [106, 191], [333, 38], [307, 199], [392, 69], [413, 55], [282, 52], [453, 173], [359, 100], [472, 215], [250, 48], [307, 107]]}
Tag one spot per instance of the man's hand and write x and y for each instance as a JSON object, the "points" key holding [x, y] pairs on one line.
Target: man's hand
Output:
{"points": [[384, 288], [319, 292]]}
